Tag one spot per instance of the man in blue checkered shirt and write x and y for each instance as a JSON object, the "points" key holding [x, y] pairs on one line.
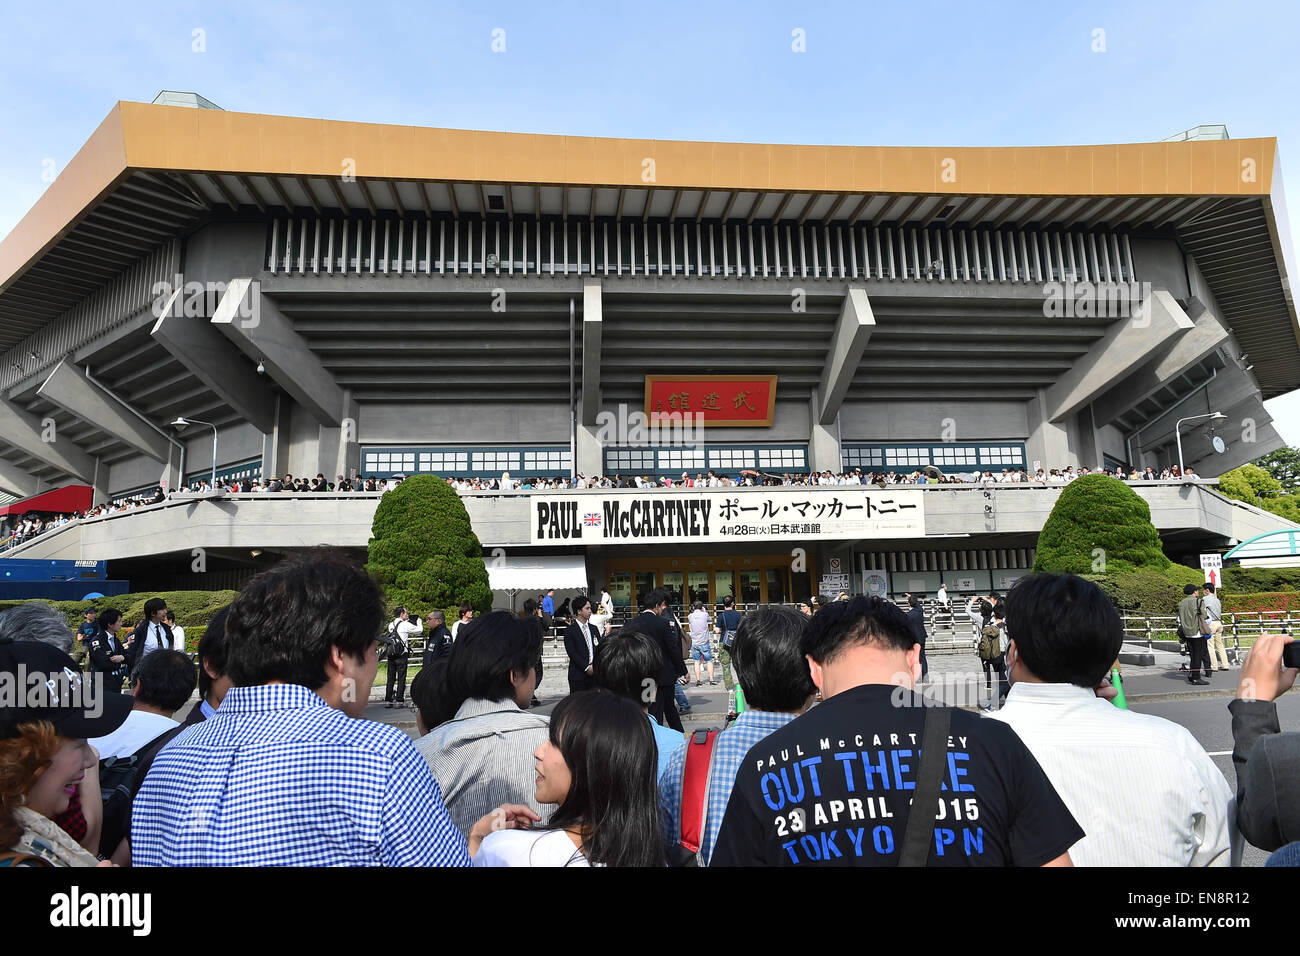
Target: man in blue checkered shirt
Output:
{"points": [[284, 773], [778, 688]]}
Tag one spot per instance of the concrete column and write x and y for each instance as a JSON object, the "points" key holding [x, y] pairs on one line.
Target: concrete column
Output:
{"points": [[262, 332], [589, 451], [823, 445], [213, 360], [592, 324], [1128, 343], [852, 331], [1048, 441], [15, 481], [275, 443], [38, 438], [338, 450]]}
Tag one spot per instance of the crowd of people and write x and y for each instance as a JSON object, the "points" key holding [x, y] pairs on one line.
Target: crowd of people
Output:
{"points": [[33, 525], [836, 759]]}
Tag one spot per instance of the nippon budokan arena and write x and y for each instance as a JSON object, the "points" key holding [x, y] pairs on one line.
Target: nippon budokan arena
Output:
{"points": [[641, 363]]}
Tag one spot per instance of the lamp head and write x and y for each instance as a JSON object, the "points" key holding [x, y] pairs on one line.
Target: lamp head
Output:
{"points": [[180, 423]]}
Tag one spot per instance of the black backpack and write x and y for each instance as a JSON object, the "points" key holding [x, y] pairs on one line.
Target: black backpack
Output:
{"points": [[117, 783]]}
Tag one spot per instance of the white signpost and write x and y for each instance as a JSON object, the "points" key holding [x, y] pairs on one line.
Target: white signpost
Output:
{"points": [[1212, 565]]}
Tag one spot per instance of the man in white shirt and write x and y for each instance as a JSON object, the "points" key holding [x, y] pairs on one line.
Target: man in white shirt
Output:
{"points": [[161, 687], [400, 633], [178, 632], [1144, 791], [1214, 618], [152, 634]]}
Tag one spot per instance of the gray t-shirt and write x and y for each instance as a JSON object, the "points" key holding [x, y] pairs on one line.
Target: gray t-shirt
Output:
{"points": [[699, 621]]}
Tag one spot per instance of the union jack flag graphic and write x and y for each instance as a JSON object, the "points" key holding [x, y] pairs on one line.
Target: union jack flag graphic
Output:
{"points": [[591, 519]]}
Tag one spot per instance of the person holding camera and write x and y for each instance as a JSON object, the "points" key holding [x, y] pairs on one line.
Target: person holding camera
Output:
{"points": [[399, 654], [1266, 759]]}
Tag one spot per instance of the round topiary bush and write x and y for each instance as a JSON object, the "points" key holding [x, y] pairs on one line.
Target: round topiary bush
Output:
{"points": [[423, 551], [1099, 526]]}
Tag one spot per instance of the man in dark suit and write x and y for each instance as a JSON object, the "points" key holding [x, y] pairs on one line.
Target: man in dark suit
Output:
{"points": [[580, 643], [664, 709], [916, 618], [152, 634]]}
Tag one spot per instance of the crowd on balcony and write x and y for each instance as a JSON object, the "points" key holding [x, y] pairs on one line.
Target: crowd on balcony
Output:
{"points": [[33, 525]]}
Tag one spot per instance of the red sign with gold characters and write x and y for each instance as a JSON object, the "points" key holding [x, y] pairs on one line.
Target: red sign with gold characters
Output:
{"points": [[720, 400]]}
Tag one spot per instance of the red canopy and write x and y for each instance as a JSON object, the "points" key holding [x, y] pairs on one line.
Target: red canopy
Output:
{"points": [[63, 500]]}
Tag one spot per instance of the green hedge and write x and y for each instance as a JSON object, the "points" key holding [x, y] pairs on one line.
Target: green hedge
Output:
{"points": [[1099, 525], [192, 608], [1261, 579], [1261, 601], [1147, 592]]}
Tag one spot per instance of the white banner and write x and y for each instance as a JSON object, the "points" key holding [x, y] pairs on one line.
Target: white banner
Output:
{"points": [[642, 517]]}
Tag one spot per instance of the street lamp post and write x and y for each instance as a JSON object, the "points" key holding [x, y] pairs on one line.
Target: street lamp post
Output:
{"points": [[180, 425], [1190, 418]]}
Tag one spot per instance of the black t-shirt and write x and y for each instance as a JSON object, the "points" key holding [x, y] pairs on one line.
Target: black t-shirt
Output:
{"points": [[833, 788]]}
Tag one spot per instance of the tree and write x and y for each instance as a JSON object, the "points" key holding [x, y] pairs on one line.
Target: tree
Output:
{"points": [[423, 551], [1100, 526], [1250, 484], [1284, 465]]}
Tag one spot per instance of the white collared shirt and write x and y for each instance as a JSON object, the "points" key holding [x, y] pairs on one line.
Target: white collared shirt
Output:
{"points": [[1144, 791]]}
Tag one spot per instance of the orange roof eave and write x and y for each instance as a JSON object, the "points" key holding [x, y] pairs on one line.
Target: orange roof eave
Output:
{"points": [[141, 136]]}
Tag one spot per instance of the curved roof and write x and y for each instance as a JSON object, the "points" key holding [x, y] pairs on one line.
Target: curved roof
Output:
{"points": [[151, 172]]}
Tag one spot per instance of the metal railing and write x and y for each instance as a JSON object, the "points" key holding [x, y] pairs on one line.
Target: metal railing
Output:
{"points": [[1240, 629]]}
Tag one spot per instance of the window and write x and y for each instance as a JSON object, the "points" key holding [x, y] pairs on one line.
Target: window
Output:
{"points": [[944, 455], [486, 462]]}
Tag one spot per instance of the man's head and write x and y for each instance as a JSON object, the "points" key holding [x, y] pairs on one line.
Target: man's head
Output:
{"points": [[36, 621], [90, 615], [656, 600], [698, 606], [436, 619], [769, 661], [310, 620], [213, 652], [913, 601], [1209, 589], [531, 608], [169, 617], [163, 682], [629, 665], [401, 613], [154, 610], [1062, 630], [728, 602], [581, 607], [1190, 589], [862, 640]]}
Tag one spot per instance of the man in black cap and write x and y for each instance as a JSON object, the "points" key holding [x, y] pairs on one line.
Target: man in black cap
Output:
{"points": [[40, 683]]}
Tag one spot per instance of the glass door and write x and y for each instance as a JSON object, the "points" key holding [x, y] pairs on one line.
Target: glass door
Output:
{"points": [[643, 582], [777, 593], [672, 583], [620, 588], [724, 585], [751, 587]]}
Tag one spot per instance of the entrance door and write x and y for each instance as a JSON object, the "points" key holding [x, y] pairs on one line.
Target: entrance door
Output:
{"points": [[777, 592], [672, 583], [724, 585], [698, 587], [751, 587], [643, 582]]}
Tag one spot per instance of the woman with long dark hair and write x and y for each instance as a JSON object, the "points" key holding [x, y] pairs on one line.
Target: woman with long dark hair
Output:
{"points": [[598, 767]]}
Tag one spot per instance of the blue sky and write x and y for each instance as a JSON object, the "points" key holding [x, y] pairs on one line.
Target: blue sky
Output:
{"points": [[915, 73]]}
